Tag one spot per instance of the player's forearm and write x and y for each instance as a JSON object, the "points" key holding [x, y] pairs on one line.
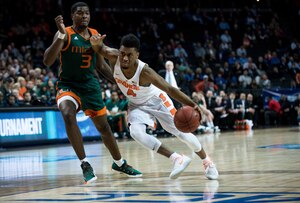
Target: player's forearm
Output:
{"points": [[181, 97], [98, 48], [52, 52], [106, 71]]}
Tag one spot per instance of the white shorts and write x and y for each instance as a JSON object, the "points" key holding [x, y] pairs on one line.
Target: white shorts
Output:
{"points": [[160, 108]]}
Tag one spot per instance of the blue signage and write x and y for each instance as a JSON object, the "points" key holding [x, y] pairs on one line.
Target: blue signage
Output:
{"points": [[39, 125]]}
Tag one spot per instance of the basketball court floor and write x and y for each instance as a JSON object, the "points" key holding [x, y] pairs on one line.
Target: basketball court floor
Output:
{"points": [[255, 166]]}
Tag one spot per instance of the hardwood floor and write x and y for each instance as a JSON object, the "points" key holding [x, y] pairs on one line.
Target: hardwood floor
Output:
{"points": [[255, 166]]}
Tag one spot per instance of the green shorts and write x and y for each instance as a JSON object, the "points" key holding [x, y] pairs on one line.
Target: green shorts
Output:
{"points": [[87, 94]]}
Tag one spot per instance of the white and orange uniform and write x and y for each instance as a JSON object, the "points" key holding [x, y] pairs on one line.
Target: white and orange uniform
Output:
{"points": [[146, 104]]}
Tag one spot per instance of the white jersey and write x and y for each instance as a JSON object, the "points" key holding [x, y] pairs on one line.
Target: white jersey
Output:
{"points": [[135, 93]]}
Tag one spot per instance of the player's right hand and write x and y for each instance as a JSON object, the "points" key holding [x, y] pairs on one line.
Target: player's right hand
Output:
{"points": [[59, 20]]}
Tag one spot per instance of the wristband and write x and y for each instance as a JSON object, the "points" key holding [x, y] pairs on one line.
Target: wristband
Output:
{"points": [[61, 35]]}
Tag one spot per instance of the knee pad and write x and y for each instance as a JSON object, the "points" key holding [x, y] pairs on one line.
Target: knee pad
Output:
{"points": [[138, 133]]}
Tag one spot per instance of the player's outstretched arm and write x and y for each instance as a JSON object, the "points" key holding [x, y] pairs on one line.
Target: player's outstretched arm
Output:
{"points": [[148, 75]]}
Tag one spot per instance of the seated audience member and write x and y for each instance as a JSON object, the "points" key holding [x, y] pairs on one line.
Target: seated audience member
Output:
{"points": [[272, 111], [205, 85], [207, 123], [116, 115], [241, 106], [12, 101], [2, 100], [285, 110], [231, 110], [220, 113], [297, 108], [27, 102], [250, 109], [210, 101]]}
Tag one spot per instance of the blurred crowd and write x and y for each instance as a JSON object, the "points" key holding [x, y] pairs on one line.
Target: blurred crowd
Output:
{"points": [[220, 53]]}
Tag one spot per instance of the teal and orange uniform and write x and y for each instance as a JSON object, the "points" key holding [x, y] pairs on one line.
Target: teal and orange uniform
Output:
{"points": [[76, 74]]}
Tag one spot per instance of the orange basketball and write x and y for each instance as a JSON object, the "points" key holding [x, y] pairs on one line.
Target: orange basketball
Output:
{"points": [[187, 119]]}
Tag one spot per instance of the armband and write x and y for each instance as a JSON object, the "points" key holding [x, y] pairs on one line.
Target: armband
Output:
{"points": [[61, 35]]}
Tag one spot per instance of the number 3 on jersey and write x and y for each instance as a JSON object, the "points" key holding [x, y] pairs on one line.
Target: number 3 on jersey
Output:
{"points": [[130, 92], [86, 60]]}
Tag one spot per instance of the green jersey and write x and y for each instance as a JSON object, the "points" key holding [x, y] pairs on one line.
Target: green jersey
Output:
{"points": [[77, 58]]}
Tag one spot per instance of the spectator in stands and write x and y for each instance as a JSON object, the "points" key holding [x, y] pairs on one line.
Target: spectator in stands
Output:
{"points": [[250, 109], [171, 76], [117, 114], [220, 113], [199, 51], [207, 123], [27, 102], [12, 101], [286, 113], [231, 110], [210, 101], [8, 86], [245, 80], [2, 100], [241, 106], [15, 92], [22, 82], [263, 81], [250, 66], [205, 85], [1, 84], [297, 108], [272, 111]]}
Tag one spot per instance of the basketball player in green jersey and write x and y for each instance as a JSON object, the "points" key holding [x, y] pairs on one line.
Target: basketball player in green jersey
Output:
{"points": [[78, 88]]}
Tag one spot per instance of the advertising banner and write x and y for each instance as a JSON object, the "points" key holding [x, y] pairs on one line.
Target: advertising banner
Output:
{"points": [[39, 125]]}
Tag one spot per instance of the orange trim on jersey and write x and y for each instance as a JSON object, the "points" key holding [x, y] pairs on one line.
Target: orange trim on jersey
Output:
{"points": [[70, 31], [92, 113], [162, 96], [173, 111], [167, 104], [72, 94], [93, 31]]}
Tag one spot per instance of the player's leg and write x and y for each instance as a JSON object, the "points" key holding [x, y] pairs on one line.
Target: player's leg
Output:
{"points": [[109, 141], [94, 107], [138, 121], [68, 104]]}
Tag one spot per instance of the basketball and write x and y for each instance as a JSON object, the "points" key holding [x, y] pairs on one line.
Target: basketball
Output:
{"points": [[187, 119]]}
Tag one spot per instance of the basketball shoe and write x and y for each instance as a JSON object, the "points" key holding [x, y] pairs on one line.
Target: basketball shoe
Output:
{"points": [[88, 173], [126, 169], [210, 169], [180, 163]]}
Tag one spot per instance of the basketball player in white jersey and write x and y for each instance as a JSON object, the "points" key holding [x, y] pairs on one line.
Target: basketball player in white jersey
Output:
{"points": [[147, 93]]}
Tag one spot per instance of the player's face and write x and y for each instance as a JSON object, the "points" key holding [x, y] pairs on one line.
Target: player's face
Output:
{"points": [[81, 17], [128, 56]]}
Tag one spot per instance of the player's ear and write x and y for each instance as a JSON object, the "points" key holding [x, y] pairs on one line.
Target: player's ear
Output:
{"points": [[137, 54]]}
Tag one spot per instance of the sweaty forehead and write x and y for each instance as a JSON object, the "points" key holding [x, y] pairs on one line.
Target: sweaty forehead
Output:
{"points": [[127, 50], [82, 8]]}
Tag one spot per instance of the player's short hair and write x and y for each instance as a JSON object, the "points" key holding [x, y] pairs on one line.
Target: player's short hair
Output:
{"points": [[130, 41], [76, 5]]}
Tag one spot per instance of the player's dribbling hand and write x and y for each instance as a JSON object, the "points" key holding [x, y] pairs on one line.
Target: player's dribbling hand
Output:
{"points": [[97, 39], [204, 111], [59, 20]]}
